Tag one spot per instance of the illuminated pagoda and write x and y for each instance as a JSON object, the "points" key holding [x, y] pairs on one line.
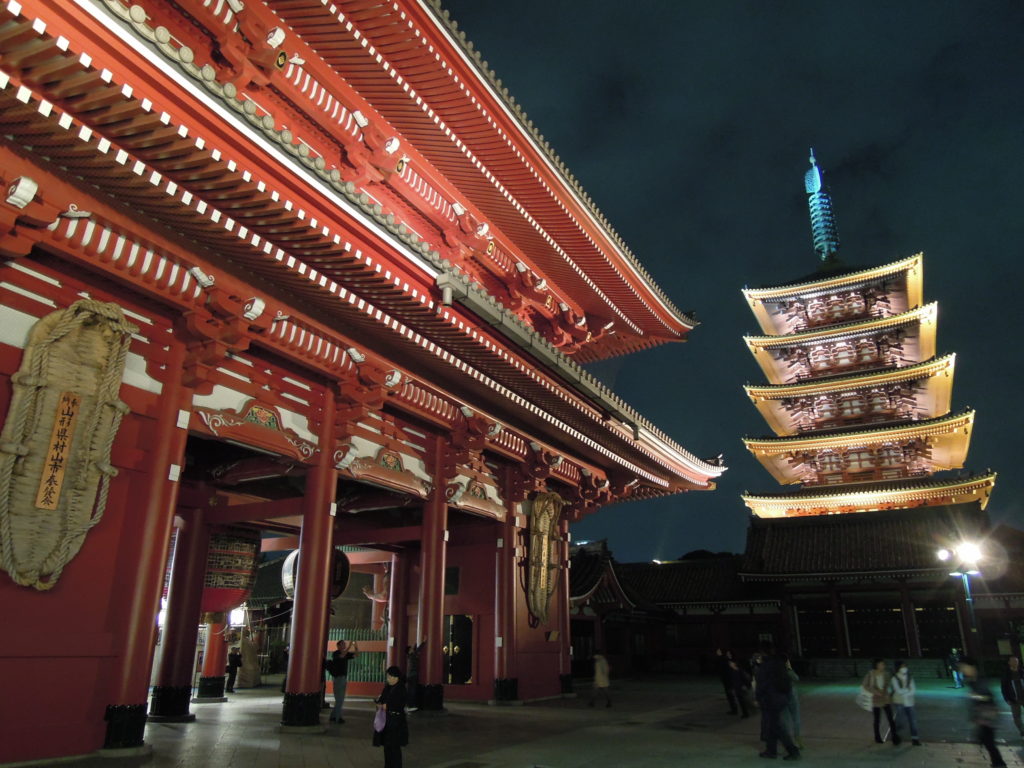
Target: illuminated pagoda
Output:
{"points": [[864, 439]]}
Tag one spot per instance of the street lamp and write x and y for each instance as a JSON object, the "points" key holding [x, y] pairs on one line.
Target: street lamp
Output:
{"points": [[965, 556]]}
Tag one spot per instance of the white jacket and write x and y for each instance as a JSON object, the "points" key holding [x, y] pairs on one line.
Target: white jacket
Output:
{"points": [[903, 690]]}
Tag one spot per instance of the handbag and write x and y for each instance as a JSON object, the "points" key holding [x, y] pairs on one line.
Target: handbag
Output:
{"points": [[865, 700], [380, 719]]}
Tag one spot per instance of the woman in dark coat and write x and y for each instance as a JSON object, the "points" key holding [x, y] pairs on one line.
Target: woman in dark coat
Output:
{"points": [[396, 730]]}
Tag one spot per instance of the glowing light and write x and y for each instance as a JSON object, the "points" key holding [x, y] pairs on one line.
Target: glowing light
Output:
{"points": [[969, 552], [237, 617], [943, 554]]}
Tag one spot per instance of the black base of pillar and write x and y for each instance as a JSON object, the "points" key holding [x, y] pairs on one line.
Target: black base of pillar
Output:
{"points": [[126, 726], [566, 683], [170, 701], [210, 688], [430, 697], [506, 689], [301, 709]]}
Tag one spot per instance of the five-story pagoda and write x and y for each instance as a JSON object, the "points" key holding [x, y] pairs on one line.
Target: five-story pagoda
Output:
{"points": [[859, 404]]}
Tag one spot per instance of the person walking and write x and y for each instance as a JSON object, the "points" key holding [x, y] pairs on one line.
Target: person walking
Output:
{"points": [[338, 667], [791, 714], [982, 710], [877, 683], [953, 662], [602, 680], [394, 731], [1013, 690], [234, 662], [740, 682], [903, 689], [724, 672], [773, 688]]}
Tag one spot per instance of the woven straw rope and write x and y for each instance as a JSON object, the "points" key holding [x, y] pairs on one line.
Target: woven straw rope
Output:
{"points": [[61, 356]]}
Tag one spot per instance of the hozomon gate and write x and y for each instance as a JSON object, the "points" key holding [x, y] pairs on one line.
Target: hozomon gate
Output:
{"points": [[306, 269]]}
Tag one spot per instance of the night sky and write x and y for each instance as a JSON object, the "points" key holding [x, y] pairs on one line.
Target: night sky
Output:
{"points": [[689, 124]]}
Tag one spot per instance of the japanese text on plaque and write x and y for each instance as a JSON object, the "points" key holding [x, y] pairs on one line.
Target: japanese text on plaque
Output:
{"points": [[52, 479]]}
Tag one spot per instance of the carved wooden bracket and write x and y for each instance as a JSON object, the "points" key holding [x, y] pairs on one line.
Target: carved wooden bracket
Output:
{"points": [[362, 393], [25, 215], [531, 476], [258, 425]]}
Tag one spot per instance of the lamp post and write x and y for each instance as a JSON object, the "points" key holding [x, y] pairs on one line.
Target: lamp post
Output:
{"points": [[965, 556]]}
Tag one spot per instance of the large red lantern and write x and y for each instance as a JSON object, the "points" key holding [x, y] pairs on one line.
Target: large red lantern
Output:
{"points": [[230, 568]]}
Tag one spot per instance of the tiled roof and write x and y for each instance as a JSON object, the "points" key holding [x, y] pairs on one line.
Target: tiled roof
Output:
{"points": [[885, 486], [596, 578], [589, 563], [838, 269], [712, 579], [883, 541]]}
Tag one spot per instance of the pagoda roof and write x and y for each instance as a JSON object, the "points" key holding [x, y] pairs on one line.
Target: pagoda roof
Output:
{"points": [[925, 315], [948, 439], [853, 382], [886, 542], [823, 283], [932, 400], [778, 371], [418, 71], [867, 497]]}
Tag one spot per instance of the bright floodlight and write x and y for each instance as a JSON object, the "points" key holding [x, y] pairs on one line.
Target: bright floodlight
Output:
{"points": [[943, 554], [969, 552]]}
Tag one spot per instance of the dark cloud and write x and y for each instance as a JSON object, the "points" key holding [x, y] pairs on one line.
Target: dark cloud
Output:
{"points": [[689, 124]]}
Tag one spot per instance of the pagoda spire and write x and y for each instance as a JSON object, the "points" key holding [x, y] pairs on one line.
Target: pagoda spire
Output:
{"points": [[823, 219]]}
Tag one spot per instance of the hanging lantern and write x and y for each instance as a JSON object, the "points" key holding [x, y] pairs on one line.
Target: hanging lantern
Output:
{"points": [[230, 569], [341, 569]]}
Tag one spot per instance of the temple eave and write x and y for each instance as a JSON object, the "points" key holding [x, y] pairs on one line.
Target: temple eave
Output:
{"points": [[898, 495]]}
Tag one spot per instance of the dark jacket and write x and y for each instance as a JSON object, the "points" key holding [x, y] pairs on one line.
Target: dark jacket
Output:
{"points": [[1013, 694], [396, 729], [338, 665], [982, 708], [738, 679], [234, 660], [722, 668], [772, 685]]}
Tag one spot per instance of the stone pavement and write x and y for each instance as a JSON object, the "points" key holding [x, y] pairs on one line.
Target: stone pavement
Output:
{"points": [[654, 722]]}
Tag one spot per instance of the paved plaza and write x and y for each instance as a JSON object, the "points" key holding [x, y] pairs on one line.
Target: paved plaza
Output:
{"points": [[655, 722]]}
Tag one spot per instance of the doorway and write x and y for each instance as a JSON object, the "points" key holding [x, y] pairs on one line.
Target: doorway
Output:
{"points": [[458, 649]]}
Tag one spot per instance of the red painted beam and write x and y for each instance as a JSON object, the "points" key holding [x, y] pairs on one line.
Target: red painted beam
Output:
{"points": [[371, 536], [279, 544], [246, 513]]}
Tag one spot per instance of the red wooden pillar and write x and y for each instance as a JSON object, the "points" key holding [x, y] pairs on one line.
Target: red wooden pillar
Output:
{"points": [[141, 572], [398, 610], [303, 695], [173, 687], [506, 682], [432, 565], [564, 652], [215, 658]]}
